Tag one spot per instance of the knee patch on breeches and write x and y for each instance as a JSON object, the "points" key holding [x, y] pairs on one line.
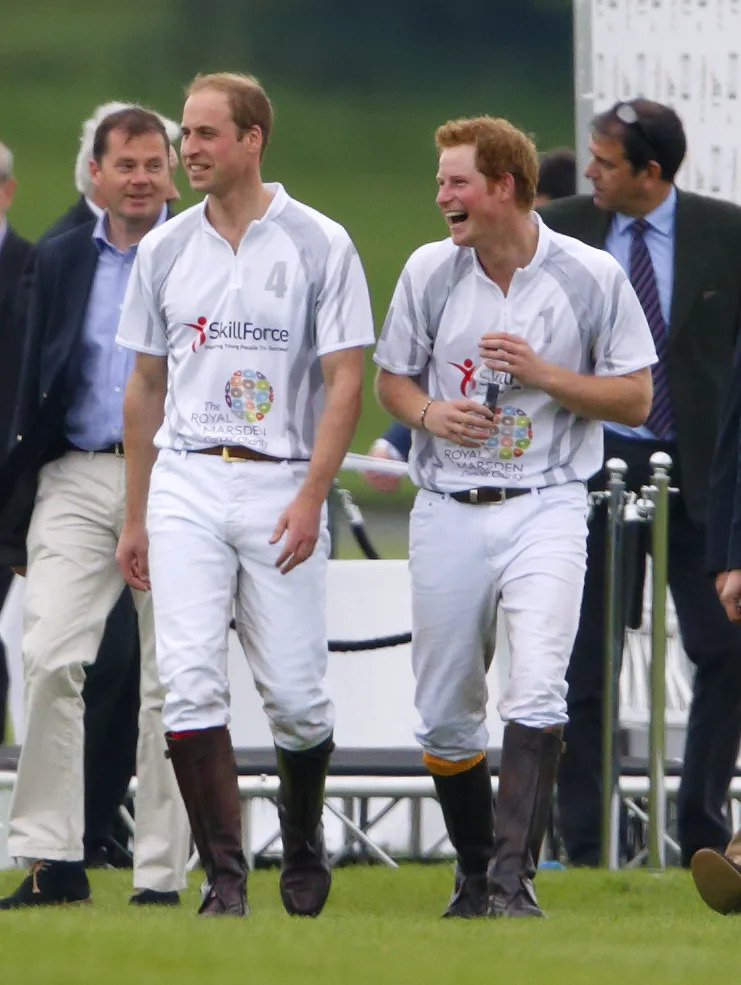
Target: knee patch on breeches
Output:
{"points": [[448, 767]]}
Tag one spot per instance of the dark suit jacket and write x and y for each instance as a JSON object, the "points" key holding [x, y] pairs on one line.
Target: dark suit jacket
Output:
{"points": [[13, 254], [76, 215], [63, 277], [705, 318]]}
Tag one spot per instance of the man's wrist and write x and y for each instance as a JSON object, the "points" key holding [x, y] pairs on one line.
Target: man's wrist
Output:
{"points": [[423, 414]]}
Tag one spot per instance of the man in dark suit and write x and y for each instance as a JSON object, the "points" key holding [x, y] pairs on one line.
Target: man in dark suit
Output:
{"points": [[683, 253], [717, 873], [13, 253], [68, 436]]}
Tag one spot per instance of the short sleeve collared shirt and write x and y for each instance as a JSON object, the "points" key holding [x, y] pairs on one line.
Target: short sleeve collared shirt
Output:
{"points": [[575, 307], [243, 332]]}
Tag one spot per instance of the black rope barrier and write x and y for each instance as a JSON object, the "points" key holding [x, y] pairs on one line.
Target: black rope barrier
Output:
{"points": [[356, 646], [351, 646]]}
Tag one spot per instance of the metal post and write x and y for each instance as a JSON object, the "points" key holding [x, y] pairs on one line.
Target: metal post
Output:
{"points": [[613, 650], [659, 492]]}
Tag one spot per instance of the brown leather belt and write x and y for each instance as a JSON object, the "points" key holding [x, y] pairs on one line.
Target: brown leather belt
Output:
{"points": [[233, 453], [488, 494]]}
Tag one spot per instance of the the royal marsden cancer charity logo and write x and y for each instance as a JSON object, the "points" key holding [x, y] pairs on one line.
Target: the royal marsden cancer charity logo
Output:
{"points": [[512, 433], [249, 395]]}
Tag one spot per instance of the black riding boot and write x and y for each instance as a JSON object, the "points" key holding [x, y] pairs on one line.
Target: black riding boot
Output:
{"points": [[526, 777], [468, 810], [306, 874]]}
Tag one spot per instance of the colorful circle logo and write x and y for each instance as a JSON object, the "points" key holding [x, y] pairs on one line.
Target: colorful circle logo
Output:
{"points": [[512, 433], [249, 395]]}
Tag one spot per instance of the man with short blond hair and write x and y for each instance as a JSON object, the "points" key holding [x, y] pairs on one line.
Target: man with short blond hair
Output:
{"points": [[249, 314], [504, 347]]}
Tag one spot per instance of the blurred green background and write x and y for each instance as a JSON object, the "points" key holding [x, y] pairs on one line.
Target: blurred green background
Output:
{"points": [[358, 90]]}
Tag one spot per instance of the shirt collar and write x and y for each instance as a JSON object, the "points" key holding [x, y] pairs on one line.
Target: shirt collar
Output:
{"points": [[100, 231], [661, 220], [95, 209], [544, 239], [277, 204], [3, 230]]}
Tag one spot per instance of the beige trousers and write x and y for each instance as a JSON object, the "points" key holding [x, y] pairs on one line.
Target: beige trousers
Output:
{"points": [[72, 584], [734, 848]]}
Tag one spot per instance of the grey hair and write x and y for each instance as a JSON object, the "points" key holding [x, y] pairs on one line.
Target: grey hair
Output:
{"points": [[6, 162], [83, 181]]}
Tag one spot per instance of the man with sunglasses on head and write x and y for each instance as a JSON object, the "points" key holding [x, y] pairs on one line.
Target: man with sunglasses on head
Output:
{"points": [[682, 252]]}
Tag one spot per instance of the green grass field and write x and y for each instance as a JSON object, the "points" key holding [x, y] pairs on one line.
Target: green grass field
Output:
{"points": [[364, 157], [381, 928]]}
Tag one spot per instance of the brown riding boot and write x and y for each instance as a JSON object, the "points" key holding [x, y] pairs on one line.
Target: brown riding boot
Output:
{"points": [[306, 875], [206, 772], [526, 777], [468, 810]]}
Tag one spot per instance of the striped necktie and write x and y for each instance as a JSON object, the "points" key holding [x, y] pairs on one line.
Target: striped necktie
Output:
{"points": [[643, 278]]}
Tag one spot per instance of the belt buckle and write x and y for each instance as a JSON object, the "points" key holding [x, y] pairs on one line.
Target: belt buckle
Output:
{"points": [[229, 458]]}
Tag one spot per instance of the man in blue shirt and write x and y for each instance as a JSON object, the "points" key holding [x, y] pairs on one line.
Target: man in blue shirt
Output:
{"points": [[68, 443]]}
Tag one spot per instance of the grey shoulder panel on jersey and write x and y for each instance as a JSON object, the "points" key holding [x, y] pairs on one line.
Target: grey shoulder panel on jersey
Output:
{"points": [[311, 241], [435, 296], [584, 294], [440, 285], [169, 248]]}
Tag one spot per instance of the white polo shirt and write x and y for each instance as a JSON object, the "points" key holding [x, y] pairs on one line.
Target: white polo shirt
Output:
{"points": [[575, 307], [243, 332]]}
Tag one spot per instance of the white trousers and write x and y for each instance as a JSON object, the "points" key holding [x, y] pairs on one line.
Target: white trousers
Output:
{"points": [[209, 523], [72, 584], [528, 556]]}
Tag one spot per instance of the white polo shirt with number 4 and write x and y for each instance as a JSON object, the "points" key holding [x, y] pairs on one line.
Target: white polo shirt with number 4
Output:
{"points": [[243, 332]]}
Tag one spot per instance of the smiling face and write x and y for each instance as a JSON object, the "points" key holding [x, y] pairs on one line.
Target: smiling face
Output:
{"points": [[468, 201], [216, 155], [133, 176]]}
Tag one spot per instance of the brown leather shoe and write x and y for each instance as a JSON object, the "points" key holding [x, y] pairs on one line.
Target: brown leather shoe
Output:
{"points": [[718, 880]]}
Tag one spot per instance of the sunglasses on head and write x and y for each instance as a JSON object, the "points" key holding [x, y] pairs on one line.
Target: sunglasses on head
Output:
{"points": [[628, 114]]}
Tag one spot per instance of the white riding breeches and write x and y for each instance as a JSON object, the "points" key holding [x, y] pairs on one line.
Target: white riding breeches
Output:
{"points": [[209, 523], [527, 558]]}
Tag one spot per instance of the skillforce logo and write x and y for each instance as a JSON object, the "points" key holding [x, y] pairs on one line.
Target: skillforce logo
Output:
{"points": [[249, 395], [467, 369], [250, 336], [200, 327]]}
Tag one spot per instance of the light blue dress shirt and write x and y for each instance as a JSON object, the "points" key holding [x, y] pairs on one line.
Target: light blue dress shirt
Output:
{"points": [[94, 416], [659, 239]]}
